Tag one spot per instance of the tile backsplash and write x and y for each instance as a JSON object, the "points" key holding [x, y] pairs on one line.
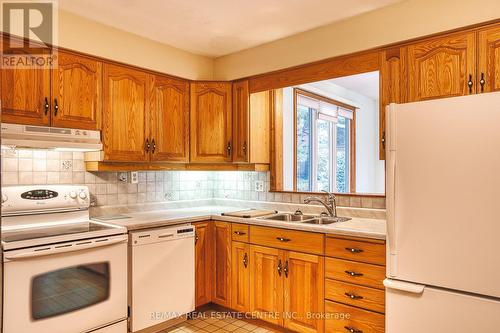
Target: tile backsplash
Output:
{"points": [[50, 167]]}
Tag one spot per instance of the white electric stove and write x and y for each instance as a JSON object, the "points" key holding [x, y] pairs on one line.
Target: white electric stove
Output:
{"points": [[62, 272]]}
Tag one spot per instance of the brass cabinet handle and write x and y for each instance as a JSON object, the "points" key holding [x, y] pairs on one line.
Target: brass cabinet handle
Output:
{"points": [[352, 273], [46, 106], [353, 250], [229, 147], [56, 107], [470, 83], [285, 269], [353, 296], [245, 148], [482, 82], [240, 233], [196, 237], [282, 239], [154, 146], [352, 329], [245, 260], [279, 267], [147, 146]]}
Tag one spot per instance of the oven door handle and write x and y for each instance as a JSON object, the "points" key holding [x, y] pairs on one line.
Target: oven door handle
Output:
{"points": [[67, 247]]}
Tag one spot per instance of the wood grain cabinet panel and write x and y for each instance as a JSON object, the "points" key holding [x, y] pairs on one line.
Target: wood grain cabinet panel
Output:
{"points": [[76, 92], [442, 67], [286, 239], [203, 263], [343, 318], [211, 122], [169, 107], [356, 249], [355, 272], [241, 100], [221, 292], [240, 232], [266, 291], [489, 60], [125, 114], [25, 94], [240, 281], [303, 292], [352, 294]]}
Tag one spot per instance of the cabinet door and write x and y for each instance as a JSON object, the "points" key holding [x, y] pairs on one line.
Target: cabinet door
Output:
{"points": [[76, 92], [489, 60], [442, 67], [25, 95], [203, 263], [241, 99], [221, 293], [240, 281], [303, 292], [169, 119], [125, 115], [211, 122], [266, 281]]}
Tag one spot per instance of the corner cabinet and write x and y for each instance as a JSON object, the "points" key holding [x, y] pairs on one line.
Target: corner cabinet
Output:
{"points": [[211, 122], [203, 263], [169, 109], [442, 67], [221, 293], [125, 114], [240, 277]]}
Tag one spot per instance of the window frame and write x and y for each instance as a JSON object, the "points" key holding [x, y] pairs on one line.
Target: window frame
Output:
{"points": [[333, 138]]}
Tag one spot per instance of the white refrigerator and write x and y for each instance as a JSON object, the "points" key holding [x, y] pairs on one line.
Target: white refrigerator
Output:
{"points": [[443, 215]]}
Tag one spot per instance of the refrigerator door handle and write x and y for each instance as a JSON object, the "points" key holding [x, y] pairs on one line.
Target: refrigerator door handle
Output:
{"points": [[408, 287], [390, 190]]}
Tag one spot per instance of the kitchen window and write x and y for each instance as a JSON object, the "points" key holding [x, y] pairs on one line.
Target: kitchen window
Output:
{"points": [[324, 144]]}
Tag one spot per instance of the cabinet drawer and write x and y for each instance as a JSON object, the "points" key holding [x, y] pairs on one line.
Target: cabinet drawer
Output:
{"points": [[350, 249], [352, 294], [299, 241], [355, 272], [344, 319], [240, 232]]}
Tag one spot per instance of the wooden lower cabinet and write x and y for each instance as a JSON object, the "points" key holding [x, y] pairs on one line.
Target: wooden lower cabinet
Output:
{"points": [[221, 292], [343, 318], [240, 277], [266, 283], [203, 263], [303, 292]]}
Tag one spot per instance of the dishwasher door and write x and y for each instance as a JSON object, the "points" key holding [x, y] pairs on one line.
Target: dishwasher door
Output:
{"points": [[161, 275]]}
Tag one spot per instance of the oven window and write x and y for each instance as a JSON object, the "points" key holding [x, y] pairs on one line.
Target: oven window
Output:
{"points": [[69, 289]]}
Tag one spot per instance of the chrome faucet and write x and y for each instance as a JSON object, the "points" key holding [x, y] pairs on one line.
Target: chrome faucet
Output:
{"points": [[330, 203]]}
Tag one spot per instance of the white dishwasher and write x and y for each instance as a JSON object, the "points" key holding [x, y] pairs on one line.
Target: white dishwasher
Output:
{"points": [[161, 275]]}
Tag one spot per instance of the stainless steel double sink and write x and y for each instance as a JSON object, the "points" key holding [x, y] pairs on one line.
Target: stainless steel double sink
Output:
{"points": [[310, 219]]}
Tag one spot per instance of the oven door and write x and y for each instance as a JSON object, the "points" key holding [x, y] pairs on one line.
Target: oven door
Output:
{"points": [[67, 287]]}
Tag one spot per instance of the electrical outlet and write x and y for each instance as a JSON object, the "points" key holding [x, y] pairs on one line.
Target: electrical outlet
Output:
{"points": [[259, 185], [134, 177]]}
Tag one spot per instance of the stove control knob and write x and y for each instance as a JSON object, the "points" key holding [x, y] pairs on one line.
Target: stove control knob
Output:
{"points": [[4, 198], [82, 195], [72, 195]]}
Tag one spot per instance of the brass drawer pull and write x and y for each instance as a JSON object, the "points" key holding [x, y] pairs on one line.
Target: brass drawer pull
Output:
{"points": [[240, 233], [354, 250], [279, 268], [245, 260], [352, 273], [352, 329], [353, 296], [285, 269], [282, 239]]}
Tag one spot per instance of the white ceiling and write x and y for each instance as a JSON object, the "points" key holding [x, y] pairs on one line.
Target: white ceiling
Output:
{"points": [[218, 27], [366, 84]]}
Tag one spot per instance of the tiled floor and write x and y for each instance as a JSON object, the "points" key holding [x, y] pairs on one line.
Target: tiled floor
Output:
{"points": [[212, 321]]}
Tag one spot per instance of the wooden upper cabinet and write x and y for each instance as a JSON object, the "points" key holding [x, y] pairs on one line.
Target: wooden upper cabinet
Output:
{"points": [[221, 293], [125, 114], [241, 99], [169, 119], [76, 92], [442, 67], [203, 263], [240, 281], [303, 291], [211, 122], [266, 283], [25, 95], [489, 60]]}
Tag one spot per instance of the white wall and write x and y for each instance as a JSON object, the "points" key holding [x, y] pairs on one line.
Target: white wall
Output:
{"points": [[370, 171]]}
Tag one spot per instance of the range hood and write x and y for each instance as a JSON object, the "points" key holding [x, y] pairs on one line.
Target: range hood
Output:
{"points": [[42, 137]]}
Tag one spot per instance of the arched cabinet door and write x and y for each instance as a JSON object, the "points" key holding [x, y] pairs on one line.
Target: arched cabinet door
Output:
{"points": [[76, 92], [489, 60], [211, 122], [442, 67]]}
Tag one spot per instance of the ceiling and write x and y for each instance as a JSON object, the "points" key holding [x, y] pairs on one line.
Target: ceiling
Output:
{"points": [[366, 84], [218, 27]]}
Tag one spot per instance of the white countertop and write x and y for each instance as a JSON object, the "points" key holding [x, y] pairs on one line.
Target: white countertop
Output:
{"points": [[359, 227]]}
